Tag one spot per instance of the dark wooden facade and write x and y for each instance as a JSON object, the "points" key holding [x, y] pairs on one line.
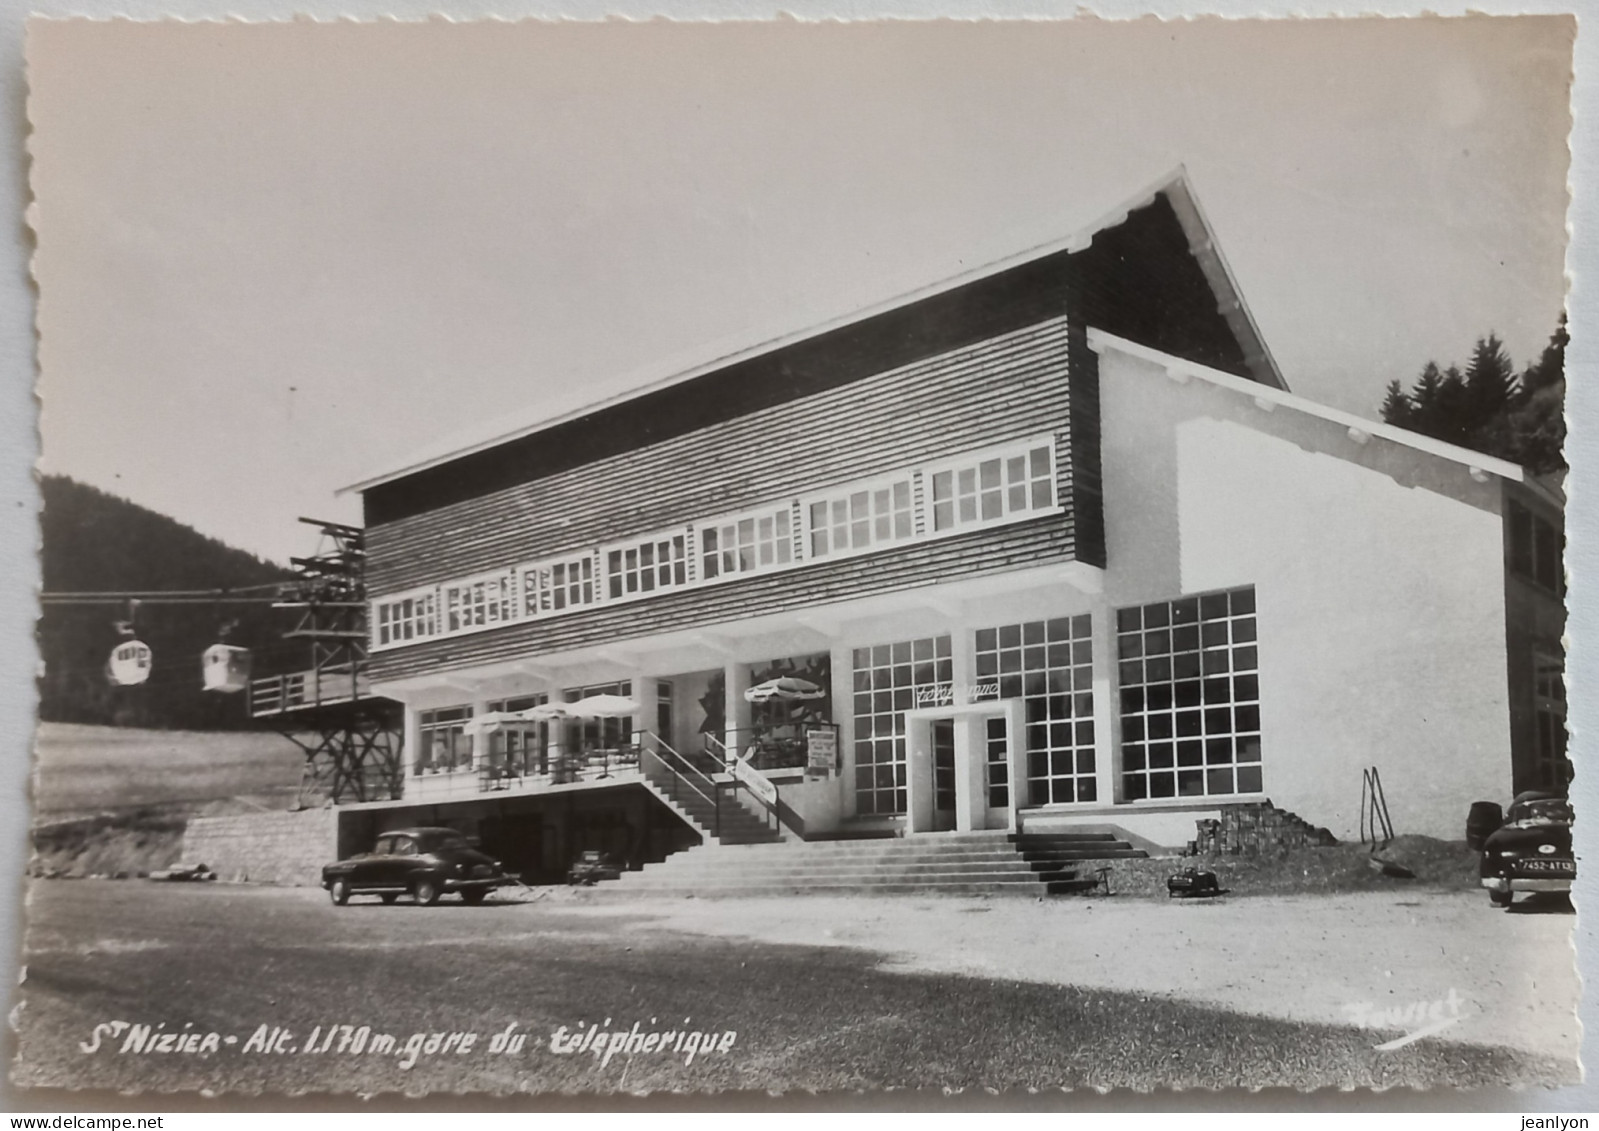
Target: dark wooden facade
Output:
{"points": [[993, 360]]}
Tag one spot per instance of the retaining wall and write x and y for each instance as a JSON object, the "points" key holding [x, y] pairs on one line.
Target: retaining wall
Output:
{"points": [[270, 848]]}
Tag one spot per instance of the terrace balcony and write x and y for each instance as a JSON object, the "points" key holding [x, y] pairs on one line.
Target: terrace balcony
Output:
{"points": [[308, 689]]}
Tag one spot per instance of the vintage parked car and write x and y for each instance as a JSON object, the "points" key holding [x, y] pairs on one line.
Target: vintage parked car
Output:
{"points": [[592, 866], [1527, 849], [424, 863]]}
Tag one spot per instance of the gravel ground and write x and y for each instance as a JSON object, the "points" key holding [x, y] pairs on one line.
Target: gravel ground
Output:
{"points": [[808, 1011], [1298, 958]]}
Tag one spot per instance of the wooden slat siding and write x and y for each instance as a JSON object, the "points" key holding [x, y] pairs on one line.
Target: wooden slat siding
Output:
{"points": [[1085, 468], [1145, 281], [1003, 389], [1142, 282], [991, 551]]}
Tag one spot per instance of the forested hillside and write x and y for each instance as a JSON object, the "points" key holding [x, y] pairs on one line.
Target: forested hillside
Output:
{"points": [[96, 542]]}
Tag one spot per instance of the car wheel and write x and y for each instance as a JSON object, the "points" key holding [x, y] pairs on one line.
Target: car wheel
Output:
{"points": [[473, 895], [339, 892], [389, 896], [1501, 898], [426, 892]]}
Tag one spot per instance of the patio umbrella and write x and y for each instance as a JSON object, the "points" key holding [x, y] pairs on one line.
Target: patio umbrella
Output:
{"points": [[546, 712], [787, 688], [488, 724], [603, 707]]}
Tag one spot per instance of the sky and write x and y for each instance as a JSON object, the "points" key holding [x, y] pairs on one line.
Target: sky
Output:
{"points": [[274, 260]]}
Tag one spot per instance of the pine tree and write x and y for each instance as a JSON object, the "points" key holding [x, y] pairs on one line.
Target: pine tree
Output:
{"points": [[1424, 399], [1489, 384], [1489, 407], [1397, 409], [1549, 369], [1449, 413]]}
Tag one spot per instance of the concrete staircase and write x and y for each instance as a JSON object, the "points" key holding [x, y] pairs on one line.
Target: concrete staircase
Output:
{"points": [[729, 824], [978, 863]]}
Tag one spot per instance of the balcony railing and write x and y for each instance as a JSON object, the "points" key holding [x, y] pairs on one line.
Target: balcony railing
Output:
{"points": [[783, 746], [521, 770], [317, 687]]}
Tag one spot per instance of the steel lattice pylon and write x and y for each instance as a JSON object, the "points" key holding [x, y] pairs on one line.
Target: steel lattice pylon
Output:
{"points": [[351, 739]]}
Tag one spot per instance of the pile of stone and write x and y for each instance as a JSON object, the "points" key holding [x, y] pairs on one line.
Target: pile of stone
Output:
{"points": [[1254, 828]]}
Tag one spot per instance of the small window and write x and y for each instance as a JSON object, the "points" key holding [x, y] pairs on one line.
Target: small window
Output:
{"points": [[861, 519], [744, 545], [994, 488], [1535, 548]]}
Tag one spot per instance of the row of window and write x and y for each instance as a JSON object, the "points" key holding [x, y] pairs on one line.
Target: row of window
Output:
{"points": [[981, 489]]}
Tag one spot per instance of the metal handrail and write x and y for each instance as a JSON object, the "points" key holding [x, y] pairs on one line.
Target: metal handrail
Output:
{"points": [[686, 775], [781, 813], [765, 750]]}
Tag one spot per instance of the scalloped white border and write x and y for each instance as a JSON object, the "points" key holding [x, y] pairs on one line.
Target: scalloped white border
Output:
{"points": [[19, 437]]}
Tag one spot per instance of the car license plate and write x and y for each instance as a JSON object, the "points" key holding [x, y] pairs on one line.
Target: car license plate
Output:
{"points": [[1549, 865]]}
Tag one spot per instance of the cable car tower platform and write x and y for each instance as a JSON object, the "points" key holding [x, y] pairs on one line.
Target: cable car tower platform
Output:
{"points": [[351, 739]]}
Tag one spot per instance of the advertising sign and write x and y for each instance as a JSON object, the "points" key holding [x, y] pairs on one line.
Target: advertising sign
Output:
{"points": [[821, 750], [756, 781]]}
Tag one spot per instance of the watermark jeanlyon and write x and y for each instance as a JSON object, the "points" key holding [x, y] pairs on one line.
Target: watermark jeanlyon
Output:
{"points": [[604, 1044], [1554, 1122]]}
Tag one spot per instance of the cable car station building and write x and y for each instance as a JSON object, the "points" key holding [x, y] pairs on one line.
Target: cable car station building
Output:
{"points": [[1047, 546]]}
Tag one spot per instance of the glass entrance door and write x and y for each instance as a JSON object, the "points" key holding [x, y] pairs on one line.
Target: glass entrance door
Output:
{"points": [[943, 774]]}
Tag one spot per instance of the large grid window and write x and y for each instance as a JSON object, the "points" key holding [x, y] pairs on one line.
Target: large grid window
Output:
{"points": [[1050, 666], [741, 545], [443, 744], [660, 563], [1549, 677], [562, 585], [989, 490], [1190, 697], [859, 520], [887, 680]]}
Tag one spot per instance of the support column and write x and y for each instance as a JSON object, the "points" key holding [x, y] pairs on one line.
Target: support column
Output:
{"points": [[411, 738], [735, 708], [971, 758], [1107, 713], [480, 741], [644, 694], [842, 664]]}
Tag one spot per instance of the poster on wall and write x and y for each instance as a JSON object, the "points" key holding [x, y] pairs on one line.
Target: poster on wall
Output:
{"points": [[821, 750]]}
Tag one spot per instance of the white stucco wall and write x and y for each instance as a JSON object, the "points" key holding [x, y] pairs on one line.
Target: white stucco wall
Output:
{"points": [[1379, 583]]}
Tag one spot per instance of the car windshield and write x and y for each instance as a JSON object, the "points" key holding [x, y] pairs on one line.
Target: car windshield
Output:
{"points": [[1541, 811]]}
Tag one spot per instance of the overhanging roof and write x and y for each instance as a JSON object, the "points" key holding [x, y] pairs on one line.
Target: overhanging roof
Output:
{"points": [[1174, 188]]}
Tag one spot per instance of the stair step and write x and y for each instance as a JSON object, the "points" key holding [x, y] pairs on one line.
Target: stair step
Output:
{"points": [[747, 890], [871, 879]]}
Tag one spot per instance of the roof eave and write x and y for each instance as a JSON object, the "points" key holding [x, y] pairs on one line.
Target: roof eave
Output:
{"points": [[1174, 185], [1479, 463]]}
